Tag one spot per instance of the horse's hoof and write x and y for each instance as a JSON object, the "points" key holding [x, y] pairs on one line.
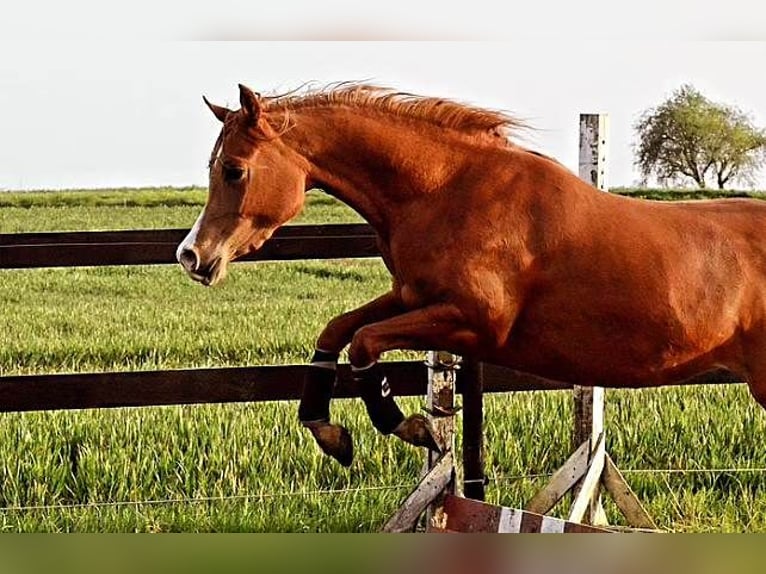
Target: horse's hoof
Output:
{"points": [[335, 441], [417, 430]]}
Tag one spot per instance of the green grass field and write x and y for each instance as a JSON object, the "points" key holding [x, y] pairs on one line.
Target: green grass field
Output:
{"points": [[250, 467]]}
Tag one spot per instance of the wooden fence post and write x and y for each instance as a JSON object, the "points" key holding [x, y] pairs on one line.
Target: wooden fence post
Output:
{"points": [[589, 401], [440, 405], [472, 376], [594, 130]]}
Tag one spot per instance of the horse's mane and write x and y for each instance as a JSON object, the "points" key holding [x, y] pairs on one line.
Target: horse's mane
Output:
{"points": [[439, 111]]}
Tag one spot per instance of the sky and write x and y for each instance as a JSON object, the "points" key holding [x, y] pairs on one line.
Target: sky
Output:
{"points": [[89, 111]]}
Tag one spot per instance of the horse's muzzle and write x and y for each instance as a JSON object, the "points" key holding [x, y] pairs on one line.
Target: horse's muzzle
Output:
{"points": [[207, 273]]}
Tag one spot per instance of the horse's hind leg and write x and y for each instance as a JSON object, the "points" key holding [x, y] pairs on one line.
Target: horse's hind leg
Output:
{"points": [[436, 327], [314, 409]]}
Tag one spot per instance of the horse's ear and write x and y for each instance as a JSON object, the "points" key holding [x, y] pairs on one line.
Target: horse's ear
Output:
{"points": [[250, 102], [218, 111]]}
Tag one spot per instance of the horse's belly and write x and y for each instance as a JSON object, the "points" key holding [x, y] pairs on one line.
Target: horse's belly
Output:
{"points": [[612, 356], [633, 321]]}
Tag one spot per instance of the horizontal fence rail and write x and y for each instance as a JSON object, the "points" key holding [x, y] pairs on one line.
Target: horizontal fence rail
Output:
{"points": [[221, 385], [240, 384], [152, 247]]}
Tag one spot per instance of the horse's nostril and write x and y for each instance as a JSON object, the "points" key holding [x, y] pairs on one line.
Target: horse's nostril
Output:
{"points": [[188, 258]]}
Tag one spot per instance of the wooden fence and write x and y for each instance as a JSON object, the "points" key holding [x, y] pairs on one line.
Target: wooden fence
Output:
{"points": [[232, 384]]}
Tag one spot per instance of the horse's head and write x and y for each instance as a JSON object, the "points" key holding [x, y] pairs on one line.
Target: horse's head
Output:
{"points": [[256, 184]]}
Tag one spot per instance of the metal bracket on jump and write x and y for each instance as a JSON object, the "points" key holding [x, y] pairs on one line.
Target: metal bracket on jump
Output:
{"points": [[440, 412], [444, 362]]}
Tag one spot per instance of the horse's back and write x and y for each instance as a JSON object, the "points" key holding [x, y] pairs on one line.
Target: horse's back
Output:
{"points": [[742, 210], [741, 221]]}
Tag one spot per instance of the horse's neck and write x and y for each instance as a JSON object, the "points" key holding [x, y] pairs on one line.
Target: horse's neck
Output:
{"points": [[373, 165]]}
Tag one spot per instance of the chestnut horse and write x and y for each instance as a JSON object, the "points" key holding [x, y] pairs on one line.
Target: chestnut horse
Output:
{"points": [[497, 253]]}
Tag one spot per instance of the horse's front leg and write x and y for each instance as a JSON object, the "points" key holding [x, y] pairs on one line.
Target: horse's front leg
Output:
{"points": [[314, 409], [441, 326]]}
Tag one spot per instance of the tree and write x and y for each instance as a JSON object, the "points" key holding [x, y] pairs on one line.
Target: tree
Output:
{"points": [[688, 136]]}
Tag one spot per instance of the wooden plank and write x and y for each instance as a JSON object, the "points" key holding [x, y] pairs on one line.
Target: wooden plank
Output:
{"points": [[210, 385], [473, 516], [165, 236], [185, 386], [588, 490], [588, 414], [23, 251], [625, 498], [473, 436], [86, 254], [170, 236], [429, 487], [496, 377], [440, 401], [466, 515], [588, 426], [562, 480], [594, 146]]}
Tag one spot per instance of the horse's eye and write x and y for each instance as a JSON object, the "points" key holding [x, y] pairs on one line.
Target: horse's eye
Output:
{"points": [[233, 173]]}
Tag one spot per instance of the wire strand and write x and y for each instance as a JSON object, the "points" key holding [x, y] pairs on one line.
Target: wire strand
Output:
{"points": [[266, 495], [301, 493]]}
